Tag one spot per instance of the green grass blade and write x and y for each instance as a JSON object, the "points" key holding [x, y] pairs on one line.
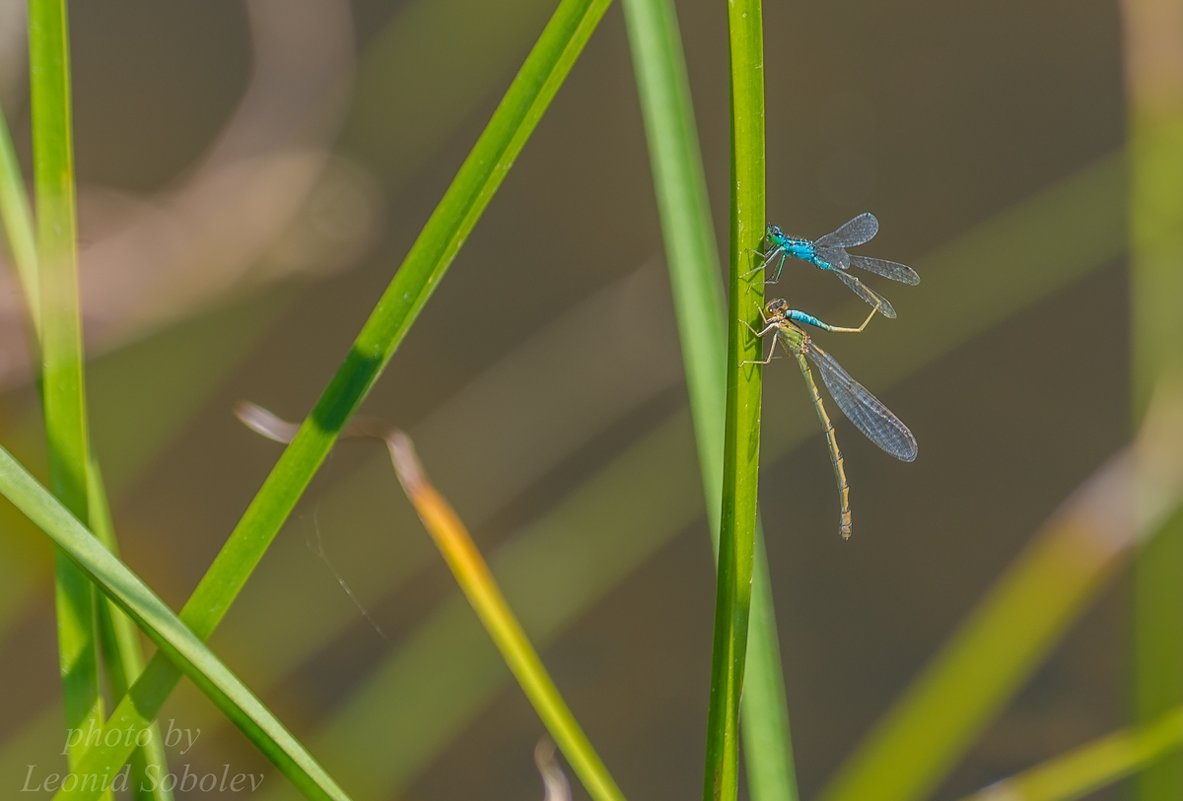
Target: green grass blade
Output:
{"points": [[686, 225], [176, 641], [764, 724], [62, 387], [116, 633], [123, 658], [17, 218], [1156, 283], [688, 232], [741, 448], [61, 331], [478, 178], [1093, 765]]}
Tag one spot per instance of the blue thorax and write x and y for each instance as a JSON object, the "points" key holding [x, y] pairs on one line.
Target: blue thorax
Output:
{"points": [[796, 246]]}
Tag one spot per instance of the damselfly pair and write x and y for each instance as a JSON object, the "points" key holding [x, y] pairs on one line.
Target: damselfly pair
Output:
{"points": [[862, 408]]}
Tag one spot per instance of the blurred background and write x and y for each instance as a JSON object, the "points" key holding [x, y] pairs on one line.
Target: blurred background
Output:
{"points": [[252, 174]]}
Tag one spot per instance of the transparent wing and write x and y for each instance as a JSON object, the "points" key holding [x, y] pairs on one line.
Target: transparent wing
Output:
{"points": [[858, 231], [862, 408], [888, 269], [869, 296], [834, 256]]}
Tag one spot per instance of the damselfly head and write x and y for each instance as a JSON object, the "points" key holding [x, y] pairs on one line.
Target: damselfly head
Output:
{"points": [[776, 308], [774, 233]]}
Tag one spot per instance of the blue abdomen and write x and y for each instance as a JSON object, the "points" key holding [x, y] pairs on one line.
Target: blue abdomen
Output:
{"points": [[798, 316]]}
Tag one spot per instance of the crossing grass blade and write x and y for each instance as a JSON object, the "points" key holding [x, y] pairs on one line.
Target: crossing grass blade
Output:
{"points": [[180, 646]]}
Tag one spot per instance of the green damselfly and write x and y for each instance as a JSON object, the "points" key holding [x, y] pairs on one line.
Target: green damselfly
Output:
{"points": [[868, 414]]}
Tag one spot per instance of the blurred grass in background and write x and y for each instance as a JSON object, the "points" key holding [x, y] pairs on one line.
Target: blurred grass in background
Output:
{"points": [[543, 383], [1154, 77]]}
